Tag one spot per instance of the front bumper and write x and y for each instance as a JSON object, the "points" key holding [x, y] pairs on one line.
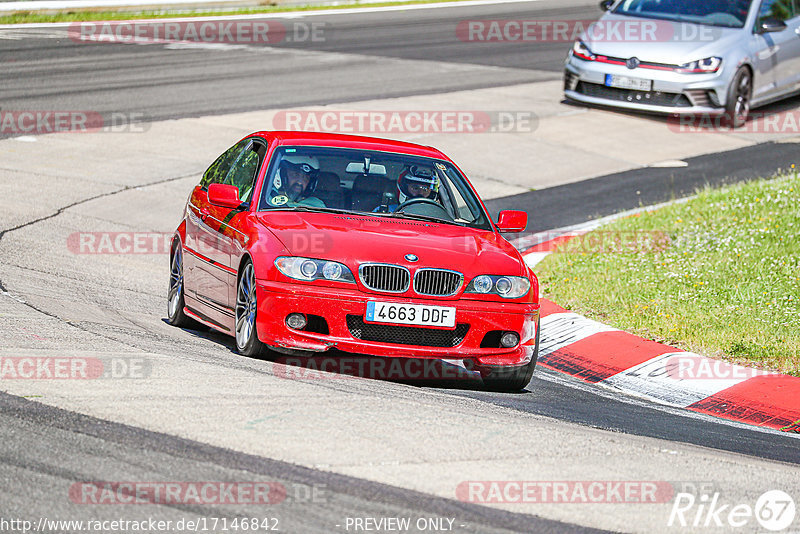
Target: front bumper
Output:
{"points": [[672, 92], [276, 300]]}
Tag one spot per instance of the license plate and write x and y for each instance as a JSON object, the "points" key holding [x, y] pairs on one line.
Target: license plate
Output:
{"points": [[410, 314], [626, 82]]}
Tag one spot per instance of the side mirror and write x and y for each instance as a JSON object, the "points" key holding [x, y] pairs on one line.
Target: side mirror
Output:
{"points": [[771, 25], [512, 221], [606, 5], [226, 196]]}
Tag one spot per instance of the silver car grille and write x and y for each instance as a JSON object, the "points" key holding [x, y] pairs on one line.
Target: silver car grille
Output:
{"points": [[437, 282], [383, 277]]}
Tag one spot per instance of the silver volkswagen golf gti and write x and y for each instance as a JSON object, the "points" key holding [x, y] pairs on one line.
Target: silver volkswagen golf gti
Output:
{"points": [[701, 57]]}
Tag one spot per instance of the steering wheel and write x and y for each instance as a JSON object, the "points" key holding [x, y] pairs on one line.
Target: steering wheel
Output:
{"points": [[440, 212]]}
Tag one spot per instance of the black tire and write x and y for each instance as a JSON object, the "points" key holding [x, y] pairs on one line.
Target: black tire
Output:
{"points": [[175, 301], [245, 327], [509, 380], [737, 107]]}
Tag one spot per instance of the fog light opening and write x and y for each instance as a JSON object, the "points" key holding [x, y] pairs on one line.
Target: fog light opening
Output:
{"points": [[509, 339], [297, 321]]}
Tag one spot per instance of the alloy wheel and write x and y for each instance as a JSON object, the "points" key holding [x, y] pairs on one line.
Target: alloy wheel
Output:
{"points": [[245, 307]]}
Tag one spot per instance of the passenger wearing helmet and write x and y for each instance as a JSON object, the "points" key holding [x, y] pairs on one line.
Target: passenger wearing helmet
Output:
{"points": [[415, 182], [295, 182]]}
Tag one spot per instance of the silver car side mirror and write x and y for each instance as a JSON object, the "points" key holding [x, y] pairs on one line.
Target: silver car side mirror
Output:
{"points": [[771, 25]]}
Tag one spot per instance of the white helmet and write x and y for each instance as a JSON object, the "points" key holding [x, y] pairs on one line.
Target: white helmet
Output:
{"points": [[309, 164], [301, 162]]}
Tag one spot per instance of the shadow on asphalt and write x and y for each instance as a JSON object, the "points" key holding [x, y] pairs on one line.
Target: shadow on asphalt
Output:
{"points": [[339, 365]]}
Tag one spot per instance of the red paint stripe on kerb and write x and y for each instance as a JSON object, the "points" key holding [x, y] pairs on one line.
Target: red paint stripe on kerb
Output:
{"points": [[602, 355], [770, 401], [605, 354], [549, 308]]}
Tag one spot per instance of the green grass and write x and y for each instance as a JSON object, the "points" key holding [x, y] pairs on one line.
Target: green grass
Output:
{"points": [[93, 15], [718, 275]]}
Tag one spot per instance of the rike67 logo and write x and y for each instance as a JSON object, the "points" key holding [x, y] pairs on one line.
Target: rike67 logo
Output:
{"points": [[774, 511]]}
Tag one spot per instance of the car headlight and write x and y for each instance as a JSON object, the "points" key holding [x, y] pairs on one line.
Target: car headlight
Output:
{"points": [[482, 284], [510, 287], [580, 50], [309, 269], [702, 66]]}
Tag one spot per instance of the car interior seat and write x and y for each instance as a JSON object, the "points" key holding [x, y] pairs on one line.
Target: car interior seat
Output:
{"points": [[329, 190], [368, 191]]}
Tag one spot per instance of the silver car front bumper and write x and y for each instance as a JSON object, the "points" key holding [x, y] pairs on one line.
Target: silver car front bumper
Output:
{"points": [[672, 93]]}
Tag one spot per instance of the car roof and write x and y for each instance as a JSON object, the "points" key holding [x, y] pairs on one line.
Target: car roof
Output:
{"points": [[349, 141]]}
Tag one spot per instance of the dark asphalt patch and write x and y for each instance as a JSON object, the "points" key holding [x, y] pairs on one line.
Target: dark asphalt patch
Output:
{"points": [[569, 204], [145, 455]]}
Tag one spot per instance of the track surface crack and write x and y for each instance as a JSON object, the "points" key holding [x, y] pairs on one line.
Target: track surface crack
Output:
{"points": [[59, 211]]}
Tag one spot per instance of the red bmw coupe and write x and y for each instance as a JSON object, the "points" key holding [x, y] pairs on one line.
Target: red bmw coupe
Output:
{"points": [[301, 242]]}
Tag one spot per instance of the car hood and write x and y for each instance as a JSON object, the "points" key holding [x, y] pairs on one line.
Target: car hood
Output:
{"points": [[354, 240], [658, 41]]}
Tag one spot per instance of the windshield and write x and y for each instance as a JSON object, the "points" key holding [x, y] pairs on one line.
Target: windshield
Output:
{"points": [[726, 13], [377, 183]]}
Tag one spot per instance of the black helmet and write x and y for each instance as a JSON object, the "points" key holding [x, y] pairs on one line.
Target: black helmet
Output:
{"points": [[418, 175]]}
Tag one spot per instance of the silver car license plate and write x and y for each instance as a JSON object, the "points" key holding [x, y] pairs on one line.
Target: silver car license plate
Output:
{"points": [[626, 82]]}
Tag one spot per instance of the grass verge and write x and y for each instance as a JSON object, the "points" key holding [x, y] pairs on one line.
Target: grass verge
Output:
{"points": [[718, 275], [94, 15]]}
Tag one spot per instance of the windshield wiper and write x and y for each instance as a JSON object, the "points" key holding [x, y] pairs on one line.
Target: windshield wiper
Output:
{"points": [[317, 209], [429, 218]]}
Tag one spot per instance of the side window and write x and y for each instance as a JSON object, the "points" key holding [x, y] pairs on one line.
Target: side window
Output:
{"points": [[777, 9], [218, 170], [244, 169]]}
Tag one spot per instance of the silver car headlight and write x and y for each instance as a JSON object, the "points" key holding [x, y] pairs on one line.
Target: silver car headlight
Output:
{"points": [[309, 269], [510, 287], [580, 50], [702, 66]]}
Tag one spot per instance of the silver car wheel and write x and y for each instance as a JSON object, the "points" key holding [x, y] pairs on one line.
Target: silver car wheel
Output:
{"points": [[739, 93], [742, 109], [245, 307], [175, 283]]}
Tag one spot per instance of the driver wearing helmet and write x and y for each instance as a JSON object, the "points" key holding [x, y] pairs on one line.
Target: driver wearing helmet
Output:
{"points": [[415, 182], [295, 182]]}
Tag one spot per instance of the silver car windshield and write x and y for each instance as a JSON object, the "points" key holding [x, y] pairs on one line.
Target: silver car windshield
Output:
{"points": [[724, 13], [344, 180]]}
